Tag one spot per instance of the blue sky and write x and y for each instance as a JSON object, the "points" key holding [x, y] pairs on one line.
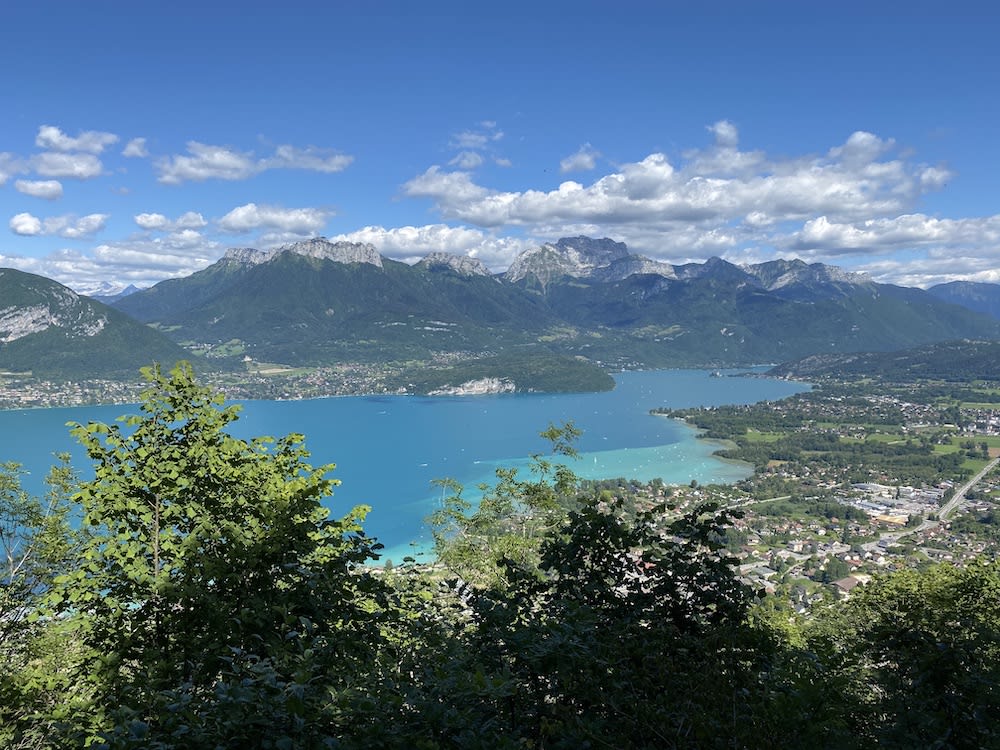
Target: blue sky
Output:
{"points": [[138, 141]]}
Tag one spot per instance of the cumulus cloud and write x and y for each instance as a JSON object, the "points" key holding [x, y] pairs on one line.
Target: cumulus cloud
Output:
{"points": [[159, 222], [85, 226], [185, 239], [77, 166], [69, 227], [206, 162], [847, 204], [151, 221], [446, 188], [190, 220], [250, 217], [717, 187], [908, 231], [25, 224], [583, 160], [726, 134], [92, 141], [861, 148], [135, 148], [48, 189]]}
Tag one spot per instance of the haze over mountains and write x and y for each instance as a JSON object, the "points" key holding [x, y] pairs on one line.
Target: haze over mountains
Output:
{"points": [[319, 302]]}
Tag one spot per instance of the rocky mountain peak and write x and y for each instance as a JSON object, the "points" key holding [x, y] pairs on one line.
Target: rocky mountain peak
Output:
{"points": [[570, 256], [632, 265], [316, 247], [338, 252], [587, 250], [463, 265], [779, 274]]}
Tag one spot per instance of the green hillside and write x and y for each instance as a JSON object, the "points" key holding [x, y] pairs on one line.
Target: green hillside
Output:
{"points": [[50, 331], [958, 361]]}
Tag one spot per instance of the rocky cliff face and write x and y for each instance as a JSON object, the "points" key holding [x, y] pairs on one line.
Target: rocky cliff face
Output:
{"points": [[583, 257], [247, 255], [778, 274], [49, 305], [318, 247], [632, 265], [481, 387], [463, 265], [338, 252]]}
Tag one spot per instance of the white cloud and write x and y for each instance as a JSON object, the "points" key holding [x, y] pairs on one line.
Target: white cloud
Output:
{"points": [[723, 158], [185, 238], [934, 178], [473, 144], [726, 134], [466, 160], [25, 224], [908, 231], [583, 160], [933, 268], [69, 227], [52, 138], [447, 187], [190, 220], [850, 203], [861, 148], [477, 139], [468, 139], [205, 162], [151, 221], [249, 217], [310, 158], [9, 166], [135, 148], [159, 222], [76, 166], [48, 189], [82, 227], [138, 261], [715, 188]]}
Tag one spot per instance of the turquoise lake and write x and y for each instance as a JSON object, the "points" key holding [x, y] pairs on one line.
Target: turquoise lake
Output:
{"points": [[388, 449]]}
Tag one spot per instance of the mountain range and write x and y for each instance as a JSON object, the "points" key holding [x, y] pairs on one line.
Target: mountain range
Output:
{"points": [[320, 302]]}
